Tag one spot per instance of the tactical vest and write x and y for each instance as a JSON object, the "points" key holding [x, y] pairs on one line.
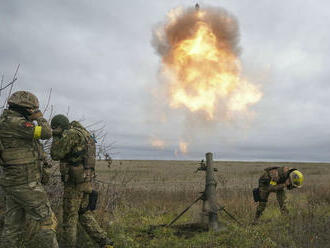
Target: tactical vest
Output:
{"points": [[15, 151], [19, 154]]}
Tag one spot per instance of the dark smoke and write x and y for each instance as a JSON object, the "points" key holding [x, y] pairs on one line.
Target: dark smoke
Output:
{"points": [[223, 25]]}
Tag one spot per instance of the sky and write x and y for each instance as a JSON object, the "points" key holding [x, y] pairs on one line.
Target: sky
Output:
{"points": [[97, 58]]}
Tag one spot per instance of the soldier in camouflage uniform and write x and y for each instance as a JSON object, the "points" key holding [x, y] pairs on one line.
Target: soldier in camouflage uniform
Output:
{"points": [[74, 146], [276, 179], [20, 159]]}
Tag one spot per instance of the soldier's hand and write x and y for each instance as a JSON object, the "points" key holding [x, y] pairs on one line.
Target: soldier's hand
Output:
{"points": [[35, 115], [288, 184], [57, 132]]}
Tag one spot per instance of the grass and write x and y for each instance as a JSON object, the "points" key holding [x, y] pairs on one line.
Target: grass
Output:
{"points": [[144, 195]]}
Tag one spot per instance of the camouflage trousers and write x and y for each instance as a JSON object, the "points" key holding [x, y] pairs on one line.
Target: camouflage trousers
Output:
{"points": [[28, 200], [264, 194], [73, 201]]}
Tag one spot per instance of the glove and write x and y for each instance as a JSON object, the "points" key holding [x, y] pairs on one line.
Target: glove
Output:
{"points": [[35, 115], [288, 184]]}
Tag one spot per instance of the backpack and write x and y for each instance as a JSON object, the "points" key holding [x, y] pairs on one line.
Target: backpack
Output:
{"points": [[90, 155]]}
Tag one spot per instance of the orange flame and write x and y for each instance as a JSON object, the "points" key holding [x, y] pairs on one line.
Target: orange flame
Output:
{"points": [[157, 143], [183, 147], [202, 69]]}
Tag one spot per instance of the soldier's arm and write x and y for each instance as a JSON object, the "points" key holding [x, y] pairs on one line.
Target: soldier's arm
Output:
{"points": [[62, 146], [273, 187], [277, 187], [43, 130], [26, 129]]}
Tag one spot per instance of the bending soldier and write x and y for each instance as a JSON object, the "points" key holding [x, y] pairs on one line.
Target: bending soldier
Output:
{"points": [[74, 146], [276, 179], [21, 158]]}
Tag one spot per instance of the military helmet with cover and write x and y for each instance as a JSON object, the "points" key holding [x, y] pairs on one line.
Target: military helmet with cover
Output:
{"points": [[23, 99], [60, 121], [296, 178]]}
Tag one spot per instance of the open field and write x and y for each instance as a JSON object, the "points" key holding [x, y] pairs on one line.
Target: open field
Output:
{"points": [[143, 195]]}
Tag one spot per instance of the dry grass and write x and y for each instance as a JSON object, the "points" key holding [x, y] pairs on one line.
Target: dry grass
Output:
{"points": [[145, 194]]}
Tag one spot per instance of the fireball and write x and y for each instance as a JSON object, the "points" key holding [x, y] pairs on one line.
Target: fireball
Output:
{"points": [[200, 62]]}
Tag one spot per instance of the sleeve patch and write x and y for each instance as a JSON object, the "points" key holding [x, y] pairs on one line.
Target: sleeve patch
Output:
{"points": [[37, 132], [28, 124], [273, 183]]}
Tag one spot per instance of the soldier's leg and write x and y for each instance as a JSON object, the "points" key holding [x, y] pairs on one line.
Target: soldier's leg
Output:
{"points": [[33, 199], [91, 226], [264, 194], [281, 198], [71, 204], [13, 226]]}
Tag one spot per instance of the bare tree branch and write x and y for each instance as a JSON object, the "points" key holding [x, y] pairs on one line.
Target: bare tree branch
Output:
{"points": [[94, 124], [12, 82], [9, 84], [48, 101], [68, 111], [2, 78]]}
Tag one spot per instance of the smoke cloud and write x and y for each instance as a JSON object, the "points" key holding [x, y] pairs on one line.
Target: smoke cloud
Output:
{"points": [[183, 22]]}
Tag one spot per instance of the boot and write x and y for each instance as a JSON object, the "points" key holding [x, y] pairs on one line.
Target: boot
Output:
{"points": [[256, 218], [106, 243], [284, 211]]}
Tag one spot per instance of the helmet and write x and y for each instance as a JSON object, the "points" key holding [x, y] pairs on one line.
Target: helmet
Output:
{"points": [[23, 99], [296, 178], [60, 121]]}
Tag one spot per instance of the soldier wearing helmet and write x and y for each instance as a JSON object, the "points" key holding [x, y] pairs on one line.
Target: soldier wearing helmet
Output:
{"points": [[276, 179], [21, 127], [74, 147]]}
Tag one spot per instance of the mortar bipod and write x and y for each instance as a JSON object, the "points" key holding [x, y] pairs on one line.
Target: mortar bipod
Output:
{"points": [[222, 208], [185, 210], [209, 207]]}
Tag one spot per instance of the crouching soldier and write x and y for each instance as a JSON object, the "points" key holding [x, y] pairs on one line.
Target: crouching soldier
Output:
{"points": [[75, 148], [276, 179]]}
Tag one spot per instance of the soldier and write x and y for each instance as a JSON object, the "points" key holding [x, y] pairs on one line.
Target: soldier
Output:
{"points": [[276, 179], [74, 146], [20, 159]]}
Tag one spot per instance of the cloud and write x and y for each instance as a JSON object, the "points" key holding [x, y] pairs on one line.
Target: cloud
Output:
{"points": [[97, 57]]}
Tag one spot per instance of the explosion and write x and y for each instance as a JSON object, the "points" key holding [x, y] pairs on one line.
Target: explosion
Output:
{"points": [[200, 62], [157, 143], [183, 147]]}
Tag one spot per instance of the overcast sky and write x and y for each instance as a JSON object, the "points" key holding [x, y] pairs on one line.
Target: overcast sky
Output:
{"points": [[98, 59]]}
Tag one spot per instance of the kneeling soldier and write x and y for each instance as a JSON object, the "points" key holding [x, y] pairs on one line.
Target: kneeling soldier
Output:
{"points": [[276, 179], [74, 146]]}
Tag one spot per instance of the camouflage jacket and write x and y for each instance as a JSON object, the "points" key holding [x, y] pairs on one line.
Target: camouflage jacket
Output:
{"points": [[21, 151], [274, 178], [71, 147], [77, 157]]}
